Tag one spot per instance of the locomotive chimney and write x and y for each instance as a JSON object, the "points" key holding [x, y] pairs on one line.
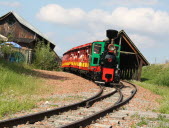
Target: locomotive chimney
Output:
{"points": [[111, 34]]}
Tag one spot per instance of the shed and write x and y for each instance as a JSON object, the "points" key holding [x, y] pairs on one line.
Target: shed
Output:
{"points": [[20, 31], [132, 60]]}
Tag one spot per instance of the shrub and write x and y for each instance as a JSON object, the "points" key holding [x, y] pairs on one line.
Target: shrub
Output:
{"points": [[6, 50], [44, 57]]}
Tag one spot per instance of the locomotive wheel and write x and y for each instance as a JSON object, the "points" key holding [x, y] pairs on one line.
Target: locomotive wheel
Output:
{"points": [[64, 69]]}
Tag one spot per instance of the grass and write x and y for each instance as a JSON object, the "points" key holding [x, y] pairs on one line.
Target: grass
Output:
{"points": [[156, 79], [142, 122], [18, 84], [156, 74], [162, 121]]}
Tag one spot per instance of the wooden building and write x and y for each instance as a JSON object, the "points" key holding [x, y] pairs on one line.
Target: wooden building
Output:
{"points": [[16, 29], [131, 59]]}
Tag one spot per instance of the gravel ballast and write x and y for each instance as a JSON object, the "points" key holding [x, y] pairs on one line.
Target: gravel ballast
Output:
{"points": [[68, 88]]}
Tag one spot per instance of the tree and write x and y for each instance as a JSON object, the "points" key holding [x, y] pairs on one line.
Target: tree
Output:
{"points": [[44, 57]]}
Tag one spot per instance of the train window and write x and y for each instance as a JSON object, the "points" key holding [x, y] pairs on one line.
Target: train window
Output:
{"points": [[97, 48], [95, 61]]}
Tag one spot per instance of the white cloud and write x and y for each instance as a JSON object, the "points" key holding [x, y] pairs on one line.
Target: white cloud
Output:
{"points": [[57, 14], [147, 24], [141, 19], [130, 2], [143, 41], [10, 4], [138, 19]]}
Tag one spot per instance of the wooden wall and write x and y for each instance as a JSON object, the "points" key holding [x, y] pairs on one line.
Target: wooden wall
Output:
{"points": [[9, 26]]}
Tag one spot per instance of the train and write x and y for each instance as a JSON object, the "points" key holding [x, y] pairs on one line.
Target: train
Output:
{"points": [[98, 60]]}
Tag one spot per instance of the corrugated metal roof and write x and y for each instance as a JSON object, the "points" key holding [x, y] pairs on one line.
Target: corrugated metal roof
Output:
{"points": [[28, 25]]}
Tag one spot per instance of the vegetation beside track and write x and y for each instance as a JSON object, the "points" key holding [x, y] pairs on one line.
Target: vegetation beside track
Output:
{"points": [[18, 87], [22, 88], [156, 79]]}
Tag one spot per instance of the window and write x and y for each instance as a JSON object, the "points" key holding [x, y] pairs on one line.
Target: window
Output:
{"points": [[97, 48], [95, 61]]}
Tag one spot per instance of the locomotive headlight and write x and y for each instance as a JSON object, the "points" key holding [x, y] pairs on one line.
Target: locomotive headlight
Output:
{"points": [[116, 72], [111, 47]]}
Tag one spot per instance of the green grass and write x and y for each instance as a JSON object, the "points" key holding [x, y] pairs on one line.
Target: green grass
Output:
{"points": [[17, 86], [142, 122], [161, 121], [156, 79], [156, 74]]}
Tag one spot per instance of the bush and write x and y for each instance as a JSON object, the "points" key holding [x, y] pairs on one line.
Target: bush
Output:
{"points": [[6, 50], [44, 57]]}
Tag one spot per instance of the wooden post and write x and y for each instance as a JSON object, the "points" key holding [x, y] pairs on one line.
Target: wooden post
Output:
{"points": [[121, 74], [140, 70], [135, 72], [29, 56], [130, 73], [125, 73]]}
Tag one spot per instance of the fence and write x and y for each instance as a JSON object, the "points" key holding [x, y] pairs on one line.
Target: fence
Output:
{"points": [[18, 55]]}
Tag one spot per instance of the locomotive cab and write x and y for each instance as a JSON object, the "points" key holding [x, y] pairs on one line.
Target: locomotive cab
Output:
{"points": [[106, 56]]}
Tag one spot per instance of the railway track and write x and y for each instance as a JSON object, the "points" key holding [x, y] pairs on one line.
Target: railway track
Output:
{"points": [[78, 114]]}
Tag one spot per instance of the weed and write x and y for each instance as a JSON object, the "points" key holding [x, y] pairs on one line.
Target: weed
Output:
{"points": [[162, 125], [162, 118], [142, 122], [133, 126], [123, 108], [135, 116], [54, 105]]}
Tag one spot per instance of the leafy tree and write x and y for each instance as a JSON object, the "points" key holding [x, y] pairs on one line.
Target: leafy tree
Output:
{"points": [[44, 57]]}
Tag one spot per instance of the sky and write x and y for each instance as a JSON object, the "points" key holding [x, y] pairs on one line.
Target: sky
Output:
{"points": [[69, 23]]}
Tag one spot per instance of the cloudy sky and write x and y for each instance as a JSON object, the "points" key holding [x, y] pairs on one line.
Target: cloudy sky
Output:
{"points": [[70, 23]]}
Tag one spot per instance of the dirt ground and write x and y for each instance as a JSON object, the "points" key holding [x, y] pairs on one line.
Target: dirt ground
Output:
{"points": [[63, 82]]}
